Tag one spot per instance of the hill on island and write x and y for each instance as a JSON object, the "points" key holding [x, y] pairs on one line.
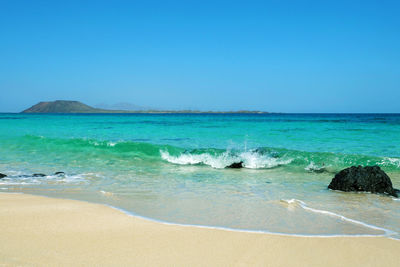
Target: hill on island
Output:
{"points": [[65, 106], [62, 106]]}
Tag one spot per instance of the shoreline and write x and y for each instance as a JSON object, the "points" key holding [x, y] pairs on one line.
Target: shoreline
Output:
{"points": [[50, 231], [388, 233]]}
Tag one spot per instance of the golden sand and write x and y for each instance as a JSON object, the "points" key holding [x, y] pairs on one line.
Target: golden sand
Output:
{"points": [[41, 231]]}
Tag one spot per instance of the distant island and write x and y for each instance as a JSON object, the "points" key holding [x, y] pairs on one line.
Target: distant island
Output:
{"points": [[66, 106]]}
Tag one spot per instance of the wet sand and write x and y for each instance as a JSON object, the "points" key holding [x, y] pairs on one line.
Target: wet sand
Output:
{"points": [[41, 231]]}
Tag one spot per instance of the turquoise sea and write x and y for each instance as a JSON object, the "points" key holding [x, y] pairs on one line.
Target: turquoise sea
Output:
{"points": [[171, 167]]}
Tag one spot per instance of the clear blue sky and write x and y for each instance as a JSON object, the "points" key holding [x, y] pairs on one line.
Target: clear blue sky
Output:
{"points": [[283, 56]]}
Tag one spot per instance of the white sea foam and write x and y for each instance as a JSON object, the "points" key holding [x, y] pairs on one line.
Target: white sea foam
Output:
{"points": [[99, 143], [24, 179], [303, 205], [312, 167], [111, 144], [254, 160], [251, 159], [106, 193], [390, 161]]}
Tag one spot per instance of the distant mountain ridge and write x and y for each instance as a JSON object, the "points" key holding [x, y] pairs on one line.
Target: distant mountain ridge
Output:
{"points": [[122, 106], [67, 106]]}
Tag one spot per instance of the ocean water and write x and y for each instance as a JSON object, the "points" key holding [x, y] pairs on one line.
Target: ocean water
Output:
{"points": [[171, 167]]}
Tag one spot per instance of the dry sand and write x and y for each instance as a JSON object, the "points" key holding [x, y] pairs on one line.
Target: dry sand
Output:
{"points": [[40, 231]]}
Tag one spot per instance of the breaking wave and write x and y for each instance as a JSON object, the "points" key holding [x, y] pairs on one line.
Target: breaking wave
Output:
{"points": [[250, 159], [257, 158]]}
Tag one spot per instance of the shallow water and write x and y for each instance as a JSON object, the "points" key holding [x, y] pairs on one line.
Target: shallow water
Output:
{"points": [[171, 167]]}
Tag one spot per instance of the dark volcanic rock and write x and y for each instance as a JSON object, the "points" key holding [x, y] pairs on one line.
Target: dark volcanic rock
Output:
{"points": [[59, 173], [38, 175], [235, 165], [2, 175], [370, 179]]}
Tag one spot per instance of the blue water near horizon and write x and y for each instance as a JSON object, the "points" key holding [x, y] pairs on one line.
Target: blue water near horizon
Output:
{"points": [[171, 167]]}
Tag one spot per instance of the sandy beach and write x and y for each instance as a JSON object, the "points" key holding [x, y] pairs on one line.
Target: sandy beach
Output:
{"points": [[43, 231]]}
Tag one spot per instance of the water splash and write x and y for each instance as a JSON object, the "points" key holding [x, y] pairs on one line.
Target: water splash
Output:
{"points": [[249, 159]]}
